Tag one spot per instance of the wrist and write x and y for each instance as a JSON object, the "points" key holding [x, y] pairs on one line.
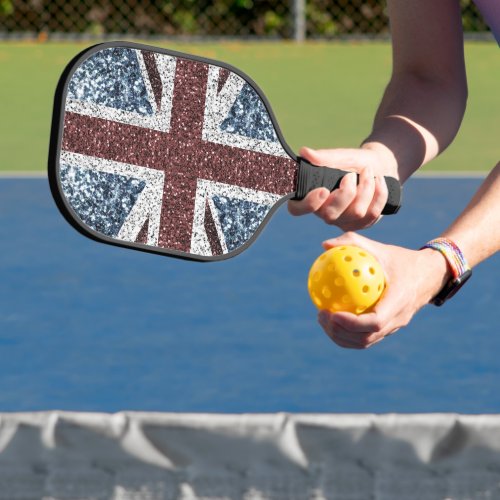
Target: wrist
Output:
{"points": [[437, 272], [386, 156]]}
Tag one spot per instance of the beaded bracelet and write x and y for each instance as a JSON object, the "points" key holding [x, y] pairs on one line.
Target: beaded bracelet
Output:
{"points": [[452, 254]]}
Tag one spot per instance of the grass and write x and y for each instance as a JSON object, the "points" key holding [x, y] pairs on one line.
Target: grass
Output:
{"points": [[323, 94]]}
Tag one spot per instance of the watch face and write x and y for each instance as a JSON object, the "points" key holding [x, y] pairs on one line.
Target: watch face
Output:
{"points": [[451, 288]]}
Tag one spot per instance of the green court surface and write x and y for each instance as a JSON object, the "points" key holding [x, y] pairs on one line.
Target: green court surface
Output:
{"points": [[323, 94]]}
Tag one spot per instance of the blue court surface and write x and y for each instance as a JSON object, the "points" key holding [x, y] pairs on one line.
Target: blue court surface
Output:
{"points": [[90, 327]]}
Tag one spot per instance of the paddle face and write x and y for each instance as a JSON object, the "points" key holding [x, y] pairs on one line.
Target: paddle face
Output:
{"points": [[165, 152]]}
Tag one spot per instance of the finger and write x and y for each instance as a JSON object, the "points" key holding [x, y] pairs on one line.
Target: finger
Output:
{"points": [[380, 196], [372, 343], [346, 338], [311, 203], [365, 191], [362, 324], [366, 209], [385, 317], [361, 340], [353, 341], [341, 340], [338, 201], [393, 332], [312, 156], [339, 334]]}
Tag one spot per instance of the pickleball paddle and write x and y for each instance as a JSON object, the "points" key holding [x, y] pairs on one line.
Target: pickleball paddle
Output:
{"points": [[171, 153]]}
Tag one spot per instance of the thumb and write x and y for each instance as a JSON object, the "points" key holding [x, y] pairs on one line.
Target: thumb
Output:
{"points": [[349, 238], [338, 158], [311, 155]]}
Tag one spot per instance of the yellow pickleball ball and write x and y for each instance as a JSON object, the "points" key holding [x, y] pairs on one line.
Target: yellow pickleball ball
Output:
{"points": [[346, 278]]}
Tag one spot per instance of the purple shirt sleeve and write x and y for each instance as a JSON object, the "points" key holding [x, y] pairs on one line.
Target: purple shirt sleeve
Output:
{"points": [[490, 9]]}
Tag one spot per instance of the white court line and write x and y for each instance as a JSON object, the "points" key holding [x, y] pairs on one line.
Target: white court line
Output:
{"points": [[454, 174], [11, 174]]}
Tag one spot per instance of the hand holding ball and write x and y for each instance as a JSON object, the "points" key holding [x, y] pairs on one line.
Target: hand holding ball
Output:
{"points": [[346, 278]]}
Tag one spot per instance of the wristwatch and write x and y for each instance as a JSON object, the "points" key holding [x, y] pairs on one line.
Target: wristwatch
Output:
{"points": [[460, 270]]}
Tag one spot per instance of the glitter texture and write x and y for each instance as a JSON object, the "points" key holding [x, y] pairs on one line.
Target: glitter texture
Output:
{"points": [[103, 201], [233, 112], [98, 91], [206, 152], [113, 78], [232, 213], [248, 116], [145, 212], [239, 219]]}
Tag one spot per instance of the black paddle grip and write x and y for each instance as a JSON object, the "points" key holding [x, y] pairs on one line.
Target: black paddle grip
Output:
{"points": [[310, 177]]}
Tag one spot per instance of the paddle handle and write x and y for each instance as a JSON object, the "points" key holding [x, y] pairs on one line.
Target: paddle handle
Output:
{"points": [[310, 177]]}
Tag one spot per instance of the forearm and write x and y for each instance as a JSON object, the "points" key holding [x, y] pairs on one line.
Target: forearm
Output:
{"points": [[424, 103], [477, 230], [416, 120]]}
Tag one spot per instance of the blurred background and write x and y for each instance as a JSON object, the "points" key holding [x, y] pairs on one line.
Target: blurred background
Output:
{"points": [[278, 19]]}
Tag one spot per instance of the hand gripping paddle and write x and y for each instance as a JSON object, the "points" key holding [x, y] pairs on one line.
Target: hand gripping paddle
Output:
{"points": [[170, 153]]}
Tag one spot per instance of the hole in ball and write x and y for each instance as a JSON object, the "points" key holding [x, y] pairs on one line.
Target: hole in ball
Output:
{"points": [[317, 300], [366, 289], [356, 273], [348, 258]]}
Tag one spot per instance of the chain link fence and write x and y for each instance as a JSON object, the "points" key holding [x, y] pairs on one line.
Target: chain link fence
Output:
{"points": [[286, 19]]}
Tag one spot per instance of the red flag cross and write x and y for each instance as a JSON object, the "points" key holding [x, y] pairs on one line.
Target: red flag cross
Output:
{"points": [[181, 153]]}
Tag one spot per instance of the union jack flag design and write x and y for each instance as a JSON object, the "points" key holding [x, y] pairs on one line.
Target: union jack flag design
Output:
{"points": [[169, 152]]}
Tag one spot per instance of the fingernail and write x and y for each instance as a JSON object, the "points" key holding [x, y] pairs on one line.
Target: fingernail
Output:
{"points": [[324, 194]]}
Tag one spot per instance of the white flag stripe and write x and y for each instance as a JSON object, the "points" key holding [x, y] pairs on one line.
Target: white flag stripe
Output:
{"points": [[206, 190], [166, 68], [147, 83], [149, 202], [217, 107], [218, 227], [159, 120]]}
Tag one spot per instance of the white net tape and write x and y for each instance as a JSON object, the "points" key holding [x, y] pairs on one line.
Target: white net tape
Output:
{"points": [[160, 456]]}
